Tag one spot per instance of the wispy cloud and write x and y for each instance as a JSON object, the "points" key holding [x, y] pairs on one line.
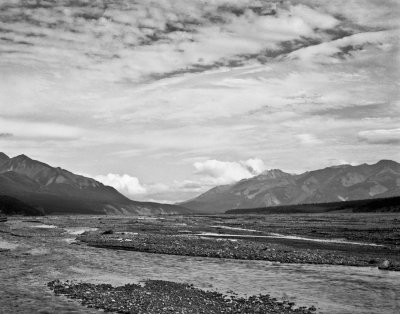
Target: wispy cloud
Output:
{"points": [[385, 136], [308, 139], [5, 135], [135, 41], [39, 131]]}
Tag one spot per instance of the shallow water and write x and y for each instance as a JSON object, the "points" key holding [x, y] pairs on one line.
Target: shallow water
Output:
{"points": [[26, 269], [8, 245], [44, 226], [291, 237], [78, 230], [234, 228]]}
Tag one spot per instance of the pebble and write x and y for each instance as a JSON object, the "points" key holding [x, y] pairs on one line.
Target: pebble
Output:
{"points": [[157, 296]]}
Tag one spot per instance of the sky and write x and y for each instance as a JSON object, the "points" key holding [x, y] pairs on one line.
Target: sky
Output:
{"points": [[166, 99]]}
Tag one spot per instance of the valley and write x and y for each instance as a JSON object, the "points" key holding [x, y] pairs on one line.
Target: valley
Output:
{"points": [[306, 261], [199, 157]]}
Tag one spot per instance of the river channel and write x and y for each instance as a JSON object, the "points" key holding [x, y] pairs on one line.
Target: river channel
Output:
{"points": [[28, 262]]}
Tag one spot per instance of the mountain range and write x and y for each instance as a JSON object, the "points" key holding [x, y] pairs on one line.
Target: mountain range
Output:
{"points": [[53, 190], [275, 188]]}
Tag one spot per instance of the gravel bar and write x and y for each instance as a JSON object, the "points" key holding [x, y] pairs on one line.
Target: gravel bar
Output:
{"points": [[156, 296]]}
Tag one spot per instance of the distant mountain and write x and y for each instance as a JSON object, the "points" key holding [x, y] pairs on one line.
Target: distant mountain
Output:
{"points": [[275, 187], [3, 158], [390, 204], [58, 191]]}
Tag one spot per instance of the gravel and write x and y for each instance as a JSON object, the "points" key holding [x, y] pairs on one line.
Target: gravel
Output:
{"points": [[156, 296], [189, 245]]}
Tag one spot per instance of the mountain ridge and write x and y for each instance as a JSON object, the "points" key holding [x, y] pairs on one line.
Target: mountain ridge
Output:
{"points": [[3, 158], [329, 184], [56, 190]]}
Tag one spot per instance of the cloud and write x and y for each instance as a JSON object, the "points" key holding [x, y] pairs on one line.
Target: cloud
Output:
{"points": [[225, 172], [384, 136], [6, 135], [140, 40], [20, 129], [308, 139], [131, 186], [329, 52], [152, 85], [314, 18], [126, 184], [371, 14], [359, 111], [209, 173]]}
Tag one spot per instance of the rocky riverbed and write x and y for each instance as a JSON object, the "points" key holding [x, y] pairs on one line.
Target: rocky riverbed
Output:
{"points": [[157, 296], [35, 251], [246, 248]]}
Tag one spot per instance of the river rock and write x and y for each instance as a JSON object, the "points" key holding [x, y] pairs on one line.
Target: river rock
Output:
{"points": [[385, 265]]}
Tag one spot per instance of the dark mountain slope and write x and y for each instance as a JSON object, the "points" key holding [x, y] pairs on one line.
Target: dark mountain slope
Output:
{"points": [[3, 158], [391, 204], [56, 190], [12, 206]]}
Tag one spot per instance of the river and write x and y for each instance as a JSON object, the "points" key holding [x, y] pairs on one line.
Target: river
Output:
{"points": [[31, 262]]}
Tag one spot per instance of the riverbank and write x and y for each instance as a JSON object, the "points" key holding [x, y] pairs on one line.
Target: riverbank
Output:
{"points": [[157, 296]]}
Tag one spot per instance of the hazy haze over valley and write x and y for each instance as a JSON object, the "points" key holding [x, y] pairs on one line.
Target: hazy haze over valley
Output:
{"points": [[164, 100]]}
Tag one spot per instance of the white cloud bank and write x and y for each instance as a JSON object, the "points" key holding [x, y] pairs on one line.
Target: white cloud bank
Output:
{"points": [[225, 172], [131, 186], [124, 183]]}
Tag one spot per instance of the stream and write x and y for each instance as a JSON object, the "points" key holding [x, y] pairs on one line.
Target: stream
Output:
{"points": [[28, 263]]}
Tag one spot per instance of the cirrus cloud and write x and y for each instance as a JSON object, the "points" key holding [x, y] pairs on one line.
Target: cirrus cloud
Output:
{"points": [[384, 136], [147, 85], [19, 129]]}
